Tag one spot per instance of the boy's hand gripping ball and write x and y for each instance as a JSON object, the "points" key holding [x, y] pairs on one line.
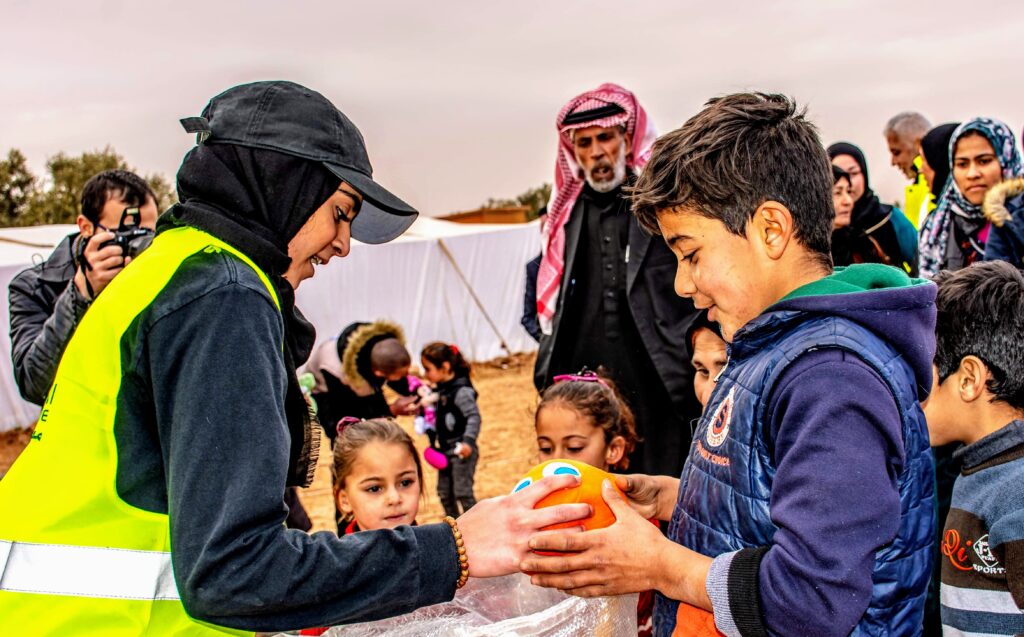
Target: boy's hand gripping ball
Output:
{"points": [[589, 491]]}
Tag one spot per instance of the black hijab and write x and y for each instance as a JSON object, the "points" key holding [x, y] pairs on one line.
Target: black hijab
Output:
{"points": [[868, 211], [256, 200], [935, 146]]}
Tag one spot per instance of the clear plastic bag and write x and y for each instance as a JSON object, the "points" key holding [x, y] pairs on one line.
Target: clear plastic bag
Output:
{"points": [[508, 606]]}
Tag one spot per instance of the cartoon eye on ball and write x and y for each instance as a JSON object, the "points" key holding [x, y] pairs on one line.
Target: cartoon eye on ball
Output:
{"points": [[522, 484], [561, 469]]}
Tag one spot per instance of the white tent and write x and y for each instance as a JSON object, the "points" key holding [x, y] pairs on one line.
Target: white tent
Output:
{"points": [[411, 280]]}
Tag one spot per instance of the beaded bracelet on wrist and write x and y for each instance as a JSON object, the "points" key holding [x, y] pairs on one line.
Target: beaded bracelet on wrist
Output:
{"points": [[460, 546]]}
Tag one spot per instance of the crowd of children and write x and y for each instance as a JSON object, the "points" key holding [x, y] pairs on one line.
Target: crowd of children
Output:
{"points": [[350, 374], [811, 482]]}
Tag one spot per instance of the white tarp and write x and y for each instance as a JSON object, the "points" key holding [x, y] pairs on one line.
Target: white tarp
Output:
{"points": [[409, 280]]}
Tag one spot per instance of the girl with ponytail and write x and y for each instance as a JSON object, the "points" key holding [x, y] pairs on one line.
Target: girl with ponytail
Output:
{"points": [[457, 424]]}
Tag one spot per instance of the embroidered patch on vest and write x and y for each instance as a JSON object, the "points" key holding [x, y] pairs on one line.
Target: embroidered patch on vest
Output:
{"points": [[718, 430], [713, 458]]}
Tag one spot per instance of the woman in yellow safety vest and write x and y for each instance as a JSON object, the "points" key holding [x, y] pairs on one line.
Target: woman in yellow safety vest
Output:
{"points": [[150, 501]]}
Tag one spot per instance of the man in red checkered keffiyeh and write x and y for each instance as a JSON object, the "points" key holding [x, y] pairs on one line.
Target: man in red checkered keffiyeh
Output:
{"points": [[607, 106], [605, 295]]}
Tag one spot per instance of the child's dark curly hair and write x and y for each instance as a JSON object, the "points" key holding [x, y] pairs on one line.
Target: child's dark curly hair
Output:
{"points": [[600, 401], [980, 312]]}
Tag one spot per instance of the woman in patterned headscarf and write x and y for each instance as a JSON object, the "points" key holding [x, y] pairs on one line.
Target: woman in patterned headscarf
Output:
{"points": [[982, 153]]}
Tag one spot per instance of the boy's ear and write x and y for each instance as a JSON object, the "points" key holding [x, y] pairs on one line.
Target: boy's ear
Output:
{"points": [[379, 374], [616, 449], [972, 378], [773, 225]]}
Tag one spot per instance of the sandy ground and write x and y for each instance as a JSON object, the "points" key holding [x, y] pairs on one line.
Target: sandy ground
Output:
{"points": [[11, 444], [507, 445]]}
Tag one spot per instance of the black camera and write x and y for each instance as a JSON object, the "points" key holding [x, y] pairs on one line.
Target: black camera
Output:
{"points": [[130, 235]]}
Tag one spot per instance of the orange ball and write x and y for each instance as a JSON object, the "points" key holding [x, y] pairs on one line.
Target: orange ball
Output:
{"points": [[588, 491]]}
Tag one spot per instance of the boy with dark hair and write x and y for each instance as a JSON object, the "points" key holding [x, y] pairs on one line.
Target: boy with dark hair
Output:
{"points": [[805, 505], [390, 360], [978, 399], [49, 299], [351, 372]]}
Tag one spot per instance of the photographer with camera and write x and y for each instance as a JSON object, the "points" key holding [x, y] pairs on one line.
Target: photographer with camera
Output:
{"points": [[47, 301]]}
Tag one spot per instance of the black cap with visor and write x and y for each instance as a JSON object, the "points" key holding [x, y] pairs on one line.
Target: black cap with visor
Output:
{"points": [[292, 119]]}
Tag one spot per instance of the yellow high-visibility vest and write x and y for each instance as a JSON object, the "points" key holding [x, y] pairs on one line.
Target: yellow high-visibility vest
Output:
{"points": [[918, 197], [76, 559]]}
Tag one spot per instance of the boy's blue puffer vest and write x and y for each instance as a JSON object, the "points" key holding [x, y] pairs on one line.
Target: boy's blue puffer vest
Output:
{"points": [[725, 508]]}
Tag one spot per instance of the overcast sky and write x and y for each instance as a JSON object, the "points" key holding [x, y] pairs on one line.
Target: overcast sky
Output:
{"points": [[457, 99]]}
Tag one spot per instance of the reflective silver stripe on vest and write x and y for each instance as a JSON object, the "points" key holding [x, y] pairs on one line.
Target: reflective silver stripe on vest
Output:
{"points": [[86, 571]]}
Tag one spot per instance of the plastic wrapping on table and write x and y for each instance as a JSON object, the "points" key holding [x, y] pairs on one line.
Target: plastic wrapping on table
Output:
{"points": [[508, 606]]}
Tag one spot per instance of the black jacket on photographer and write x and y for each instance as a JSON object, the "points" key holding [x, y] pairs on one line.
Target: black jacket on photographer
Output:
{"points": [[618, 310], [45, 308]]}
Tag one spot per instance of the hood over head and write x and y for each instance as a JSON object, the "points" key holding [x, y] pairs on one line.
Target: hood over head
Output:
{"points": [[257, 200], [355, 346], [996, 199]]}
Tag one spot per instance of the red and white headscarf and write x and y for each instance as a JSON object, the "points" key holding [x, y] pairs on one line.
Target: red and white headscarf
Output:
{"points": [[569, 181]]}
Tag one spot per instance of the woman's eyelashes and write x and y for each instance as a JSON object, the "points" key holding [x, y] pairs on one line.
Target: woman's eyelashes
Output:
{"points": [[340, 215]]}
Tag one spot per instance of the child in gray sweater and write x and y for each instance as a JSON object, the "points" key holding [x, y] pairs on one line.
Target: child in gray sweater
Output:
{"points": [[977, 398]]}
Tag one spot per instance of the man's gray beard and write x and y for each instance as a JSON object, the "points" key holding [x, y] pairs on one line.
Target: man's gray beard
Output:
{"points": [[618, 174]]}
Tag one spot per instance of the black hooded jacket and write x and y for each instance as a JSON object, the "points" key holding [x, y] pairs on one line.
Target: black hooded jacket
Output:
{"points": [[208, 430]]}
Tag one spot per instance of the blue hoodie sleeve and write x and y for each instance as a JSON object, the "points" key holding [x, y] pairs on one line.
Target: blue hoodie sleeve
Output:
{"points": [[838, 448]]}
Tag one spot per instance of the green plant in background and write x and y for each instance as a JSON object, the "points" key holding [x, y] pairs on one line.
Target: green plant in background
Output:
{"points": [[26, 200], [534, 199]]}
